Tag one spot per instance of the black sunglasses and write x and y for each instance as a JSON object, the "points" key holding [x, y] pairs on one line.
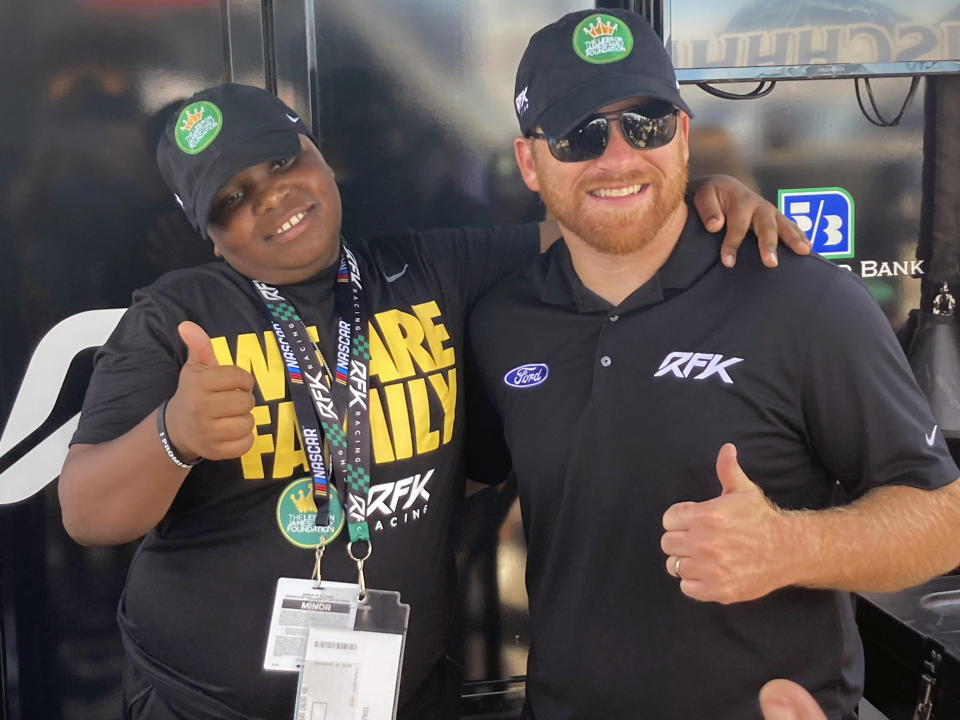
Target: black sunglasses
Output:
{"points": [[645, 127]]}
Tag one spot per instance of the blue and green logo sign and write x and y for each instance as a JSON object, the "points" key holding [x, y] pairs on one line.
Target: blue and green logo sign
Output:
{"points": [[826, 215]]}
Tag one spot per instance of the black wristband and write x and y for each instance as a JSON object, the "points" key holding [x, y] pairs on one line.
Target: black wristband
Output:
{"points": [[165, 441]]}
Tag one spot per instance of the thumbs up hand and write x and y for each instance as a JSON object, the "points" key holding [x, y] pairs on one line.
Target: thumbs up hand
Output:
{"points": [[783, 699], [199, 348], [727, 549], [209, 414]]}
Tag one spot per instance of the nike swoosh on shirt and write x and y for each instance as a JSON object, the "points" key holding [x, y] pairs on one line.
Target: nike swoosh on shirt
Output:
{"points": [[931, 436], [292, 118], [395, 276]]}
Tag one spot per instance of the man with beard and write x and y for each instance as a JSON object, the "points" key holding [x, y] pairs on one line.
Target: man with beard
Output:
{"points": [[628, 367], [205, 364]]}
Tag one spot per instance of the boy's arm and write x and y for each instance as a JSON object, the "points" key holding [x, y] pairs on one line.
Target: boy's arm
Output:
{"points": [[116, 491]]}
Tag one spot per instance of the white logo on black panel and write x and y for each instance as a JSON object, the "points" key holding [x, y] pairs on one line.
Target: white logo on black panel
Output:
{"points": [[35, 401], [697, 366]]}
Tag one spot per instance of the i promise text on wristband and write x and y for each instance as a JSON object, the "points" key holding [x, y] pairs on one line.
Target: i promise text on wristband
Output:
{"points": [[165, 440]]}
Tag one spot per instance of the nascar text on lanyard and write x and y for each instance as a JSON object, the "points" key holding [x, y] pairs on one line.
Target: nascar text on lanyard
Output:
{"points": [[312, 388], [346, 641]]}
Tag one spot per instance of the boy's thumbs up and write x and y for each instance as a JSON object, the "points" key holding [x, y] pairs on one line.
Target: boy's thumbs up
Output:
{"points": [[199, 348]]}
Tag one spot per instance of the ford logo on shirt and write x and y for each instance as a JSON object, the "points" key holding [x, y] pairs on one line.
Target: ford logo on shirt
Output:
{"points": [[527, 376]]}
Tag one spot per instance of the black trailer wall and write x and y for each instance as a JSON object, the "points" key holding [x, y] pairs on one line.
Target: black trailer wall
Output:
{"points": [[85, 219]]}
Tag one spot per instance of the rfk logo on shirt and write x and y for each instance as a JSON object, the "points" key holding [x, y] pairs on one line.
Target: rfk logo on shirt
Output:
{"points": [[684, 364]]}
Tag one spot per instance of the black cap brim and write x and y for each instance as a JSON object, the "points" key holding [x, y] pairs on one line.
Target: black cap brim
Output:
{"points": [[240, 155], [580, 102]]}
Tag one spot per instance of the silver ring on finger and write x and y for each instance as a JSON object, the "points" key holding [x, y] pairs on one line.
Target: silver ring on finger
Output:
{"points": [[676, 568]]}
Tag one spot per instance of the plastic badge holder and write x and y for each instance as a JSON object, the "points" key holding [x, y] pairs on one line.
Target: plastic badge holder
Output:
{"points": [[355, 675]]}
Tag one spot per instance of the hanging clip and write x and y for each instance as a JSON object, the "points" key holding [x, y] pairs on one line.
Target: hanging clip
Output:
{"points": [[943, 303], [361, 581], [316, 565]]}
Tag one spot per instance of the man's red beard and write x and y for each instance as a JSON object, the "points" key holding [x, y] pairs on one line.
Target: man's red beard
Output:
{"points": [[616, 232]]}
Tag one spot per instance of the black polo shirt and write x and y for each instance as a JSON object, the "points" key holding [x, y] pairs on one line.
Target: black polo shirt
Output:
{"points": [[613, 414]]}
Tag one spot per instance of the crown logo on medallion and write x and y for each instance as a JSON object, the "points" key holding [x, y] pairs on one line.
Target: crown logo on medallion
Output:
{"points": [[192, 119], [303, 502], [600, 29]]}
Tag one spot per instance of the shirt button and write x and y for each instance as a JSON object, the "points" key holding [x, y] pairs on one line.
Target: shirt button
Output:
{"points": [[606, 361], [614, 318]]}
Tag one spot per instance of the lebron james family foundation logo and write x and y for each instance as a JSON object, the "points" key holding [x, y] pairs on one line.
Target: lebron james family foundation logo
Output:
{"points": [[602, 39], [197, 126], [297, 515]]}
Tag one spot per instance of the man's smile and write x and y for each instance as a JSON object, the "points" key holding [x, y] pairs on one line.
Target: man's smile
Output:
{"points": [[619, 192]]}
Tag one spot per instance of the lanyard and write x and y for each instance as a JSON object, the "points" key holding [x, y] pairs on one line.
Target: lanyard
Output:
{"points": [[312, 388]]}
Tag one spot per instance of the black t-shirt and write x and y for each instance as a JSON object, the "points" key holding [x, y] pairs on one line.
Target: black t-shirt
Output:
{"points": [[611, 415], [199, 593]]}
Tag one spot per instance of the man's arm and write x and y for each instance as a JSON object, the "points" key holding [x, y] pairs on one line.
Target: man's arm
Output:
{"points": [[739, 546], [115, 492], [719, 200]]}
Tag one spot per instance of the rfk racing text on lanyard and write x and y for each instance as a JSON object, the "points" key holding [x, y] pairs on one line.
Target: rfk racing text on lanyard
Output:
{"points": [[312, 390]]}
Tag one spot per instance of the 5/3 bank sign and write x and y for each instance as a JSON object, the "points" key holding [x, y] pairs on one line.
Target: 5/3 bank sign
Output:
{"points": [[825, 215]]}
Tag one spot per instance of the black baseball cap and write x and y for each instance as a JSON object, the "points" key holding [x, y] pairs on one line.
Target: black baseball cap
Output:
{"points": [[588, 59], [219, 132]]}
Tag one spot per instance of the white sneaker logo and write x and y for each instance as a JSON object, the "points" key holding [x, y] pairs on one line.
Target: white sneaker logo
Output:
{"points": [[395, 276], [682, 364], [932, 436]]}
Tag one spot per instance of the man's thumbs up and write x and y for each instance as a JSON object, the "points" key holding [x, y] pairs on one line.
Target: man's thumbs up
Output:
{"points": [[725, 549], [209, 414], [731, 475], [199, 348], [782, 699]]}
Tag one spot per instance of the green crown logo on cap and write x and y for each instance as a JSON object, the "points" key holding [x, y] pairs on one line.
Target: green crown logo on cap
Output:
{"points": [[197, 126], [601, 39]]}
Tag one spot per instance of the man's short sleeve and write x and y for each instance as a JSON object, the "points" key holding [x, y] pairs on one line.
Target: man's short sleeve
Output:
{"points": [[486, 456], [867, 418]]}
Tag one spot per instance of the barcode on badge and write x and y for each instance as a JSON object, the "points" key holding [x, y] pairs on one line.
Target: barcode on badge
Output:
{"points": [[328, 645]]}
